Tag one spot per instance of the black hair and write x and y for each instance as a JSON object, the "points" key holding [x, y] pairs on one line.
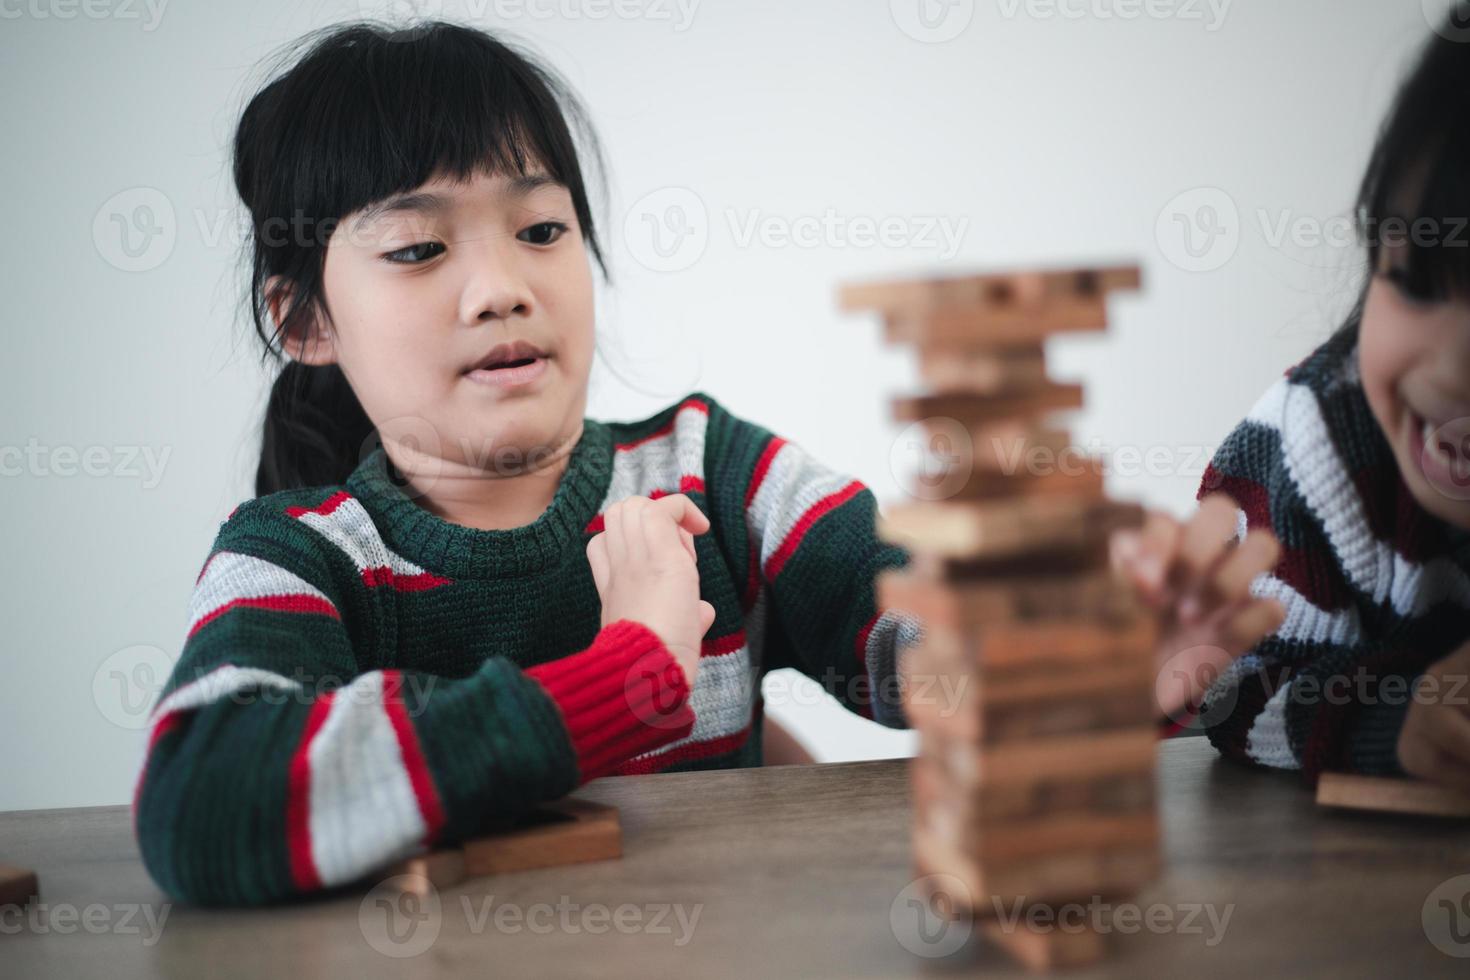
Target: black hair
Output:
{"points": [[1415, 192], [368, 111]]}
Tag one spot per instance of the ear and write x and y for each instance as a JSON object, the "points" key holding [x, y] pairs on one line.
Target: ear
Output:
{"points": [[311, 340]]}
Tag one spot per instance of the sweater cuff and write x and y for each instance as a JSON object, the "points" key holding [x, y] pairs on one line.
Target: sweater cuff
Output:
{"points": [[622, 696]]}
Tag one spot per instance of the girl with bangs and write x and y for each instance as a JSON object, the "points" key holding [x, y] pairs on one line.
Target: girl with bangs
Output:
{"points": [[455, 596]]}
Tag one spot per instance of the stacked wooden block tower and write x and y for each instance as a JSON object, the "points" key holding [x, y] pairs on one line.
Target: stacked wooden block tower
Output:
{"points": [[1032, 690]]}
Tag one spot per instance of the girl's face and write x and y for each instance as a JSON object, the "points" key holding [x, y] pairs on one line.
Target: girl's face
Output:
{"points": [[1414, 357], [423, 285]]}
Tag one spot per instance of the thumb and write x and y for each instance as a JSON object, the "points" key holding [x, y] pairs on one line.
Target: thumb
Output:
{"points": [[597, 558], [706, 616]]}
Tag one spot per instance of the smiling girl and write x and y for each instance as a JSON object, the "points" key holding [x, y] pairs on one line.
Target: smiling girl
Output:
{"points": [[1359, 460]]}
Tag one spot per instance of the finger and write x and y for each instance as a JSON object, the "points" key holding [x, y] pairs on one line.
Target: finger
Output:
{"points": [[683, 512], [1426, 760], [1203, 540], [1257, 553], [1449, 731], [661, 536], [1204, 543], [1158, 539], [612, 523], [1256, 619], [706, 616], [635, 536], [1124, 548], [597, 558], [687, 540]]}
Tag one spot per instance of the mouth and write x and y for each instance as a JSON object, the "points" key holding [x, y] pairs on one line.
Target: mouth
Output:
{"points": [[509, 364], [1441, 448]]}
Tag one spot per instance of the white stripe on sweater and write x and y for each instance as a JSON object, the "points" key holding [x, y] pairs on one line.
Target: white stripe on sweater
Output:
{"points": [[1266, 742], [794, 483], [1372, 566], [351, 529], [363, 810], [231, 576], [223, 681], [661, 463]]}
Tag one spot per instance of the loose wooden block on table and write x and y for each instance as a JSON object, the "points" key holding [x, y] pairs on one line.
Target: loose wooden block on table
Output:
{"points": [[423, 873], [565, 831], [1005, 289], [17, 885], [1391, 794], [568, 831]]}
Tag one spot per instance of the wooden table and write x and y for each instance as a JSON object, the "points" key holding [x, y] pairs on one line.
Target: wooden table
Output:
{"points": [[793, 871]]}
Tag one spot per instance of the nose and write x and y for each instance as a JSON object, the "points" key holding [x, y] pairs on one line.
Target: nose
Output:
{"points": [[497, 289]]}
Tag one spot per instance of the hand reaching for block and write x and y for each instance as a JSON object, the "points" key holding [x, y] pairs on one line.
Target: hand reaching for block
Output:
{"points": [[1196, 576], [1434, 743]]}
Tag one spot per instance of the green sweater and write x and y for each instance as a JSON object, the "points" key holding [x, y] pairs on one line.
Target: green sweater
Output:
{"points": [[362, 679]]}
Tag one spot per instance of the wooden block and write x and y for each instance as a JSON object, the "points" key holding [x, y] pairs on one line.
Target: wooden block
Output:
{"points": [[997, 844], [1050, 947], [1096, 597], [1005, 528], [1071, 756], [1007, 288], [1127, 706], [1007, 371], [17, 885], [1128, 792], [995, 327], [435, 870], [979, 410], [1076, 875], [1391, 794], [565, 831], [1011, 446], [962, 481]]}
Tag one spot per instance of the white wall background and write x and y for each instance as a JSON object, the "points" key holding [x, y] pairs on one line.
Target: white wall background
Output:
{"points": [[1043, 132]]}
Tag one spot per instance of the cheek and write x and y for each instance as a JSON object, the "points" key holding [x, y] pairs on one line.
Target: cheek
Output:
{"points": [[1385, 350]]}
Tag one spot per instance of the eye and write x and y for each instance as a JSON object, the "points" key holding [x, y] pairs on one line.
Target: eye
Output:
{"points": [[544, 233], [414, 254], [1412, 287]]}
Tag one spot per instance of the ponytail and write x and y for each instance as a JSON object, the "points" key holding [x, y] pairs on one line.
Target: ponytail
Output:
{"points": [[315, 430]]}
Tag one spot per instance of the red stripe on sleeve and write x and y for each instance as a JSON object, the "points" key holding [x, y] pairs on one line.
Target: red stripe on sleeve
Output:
{"points": [[304, 872]]}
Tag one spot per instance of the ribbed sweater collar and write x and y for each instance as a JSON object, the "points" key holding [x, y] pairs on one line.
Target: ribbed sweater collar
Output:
{"points": [[457, 551]]}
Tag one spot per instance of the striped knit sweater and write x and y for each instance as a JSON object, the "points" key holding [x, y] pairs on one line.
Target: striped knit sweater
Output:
{"points": [[1375, 588], [362, 680]]}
